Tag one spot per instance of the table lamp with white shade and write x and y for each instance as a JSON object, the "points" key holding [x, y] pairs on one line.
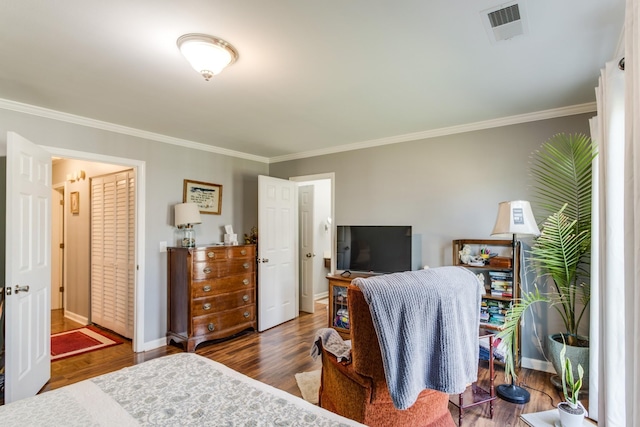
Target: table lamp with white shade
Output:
{"points": [[186, 215], [514, 218]]}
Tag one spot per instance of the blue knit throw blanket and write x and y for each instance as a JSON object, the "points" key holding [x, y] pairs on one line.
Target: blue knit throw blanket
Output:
{"points": [[427, 323]]}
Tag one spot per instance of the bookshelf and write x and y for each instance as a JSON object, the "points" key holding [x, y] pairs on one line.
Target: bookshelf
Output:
{"points": [[501, 280]]}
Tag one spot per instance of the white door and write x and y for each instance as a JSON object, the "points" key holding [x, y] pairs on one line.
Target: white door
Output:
{"points": [[28, 268], [306, 222], [57, 250], [277, 252]]}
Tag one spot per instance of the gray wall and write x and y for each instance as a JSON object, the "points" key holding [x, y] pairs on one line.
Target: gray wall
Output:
{"points": [[166, 167], [446, 188]]}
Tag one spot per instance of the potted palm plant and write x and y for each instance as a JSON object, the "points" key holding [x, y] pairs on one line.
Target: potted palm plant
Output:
{"points": [[571, 411], [561, 172]]}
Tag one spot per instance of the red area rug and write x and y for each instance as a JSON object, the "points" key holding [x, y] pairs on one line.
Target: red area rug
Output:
{"points": [[79, 341]]}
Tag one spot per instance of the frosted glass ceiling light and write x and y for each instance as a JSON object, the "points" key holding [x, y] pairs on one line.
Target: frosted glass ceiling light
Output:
{"points": [[207, 55]]}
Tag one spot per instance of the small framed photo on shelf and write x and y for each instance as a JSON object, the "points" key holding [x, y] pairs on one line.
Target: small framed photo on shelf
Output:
{"points": [[75, 202], [207, 196]]}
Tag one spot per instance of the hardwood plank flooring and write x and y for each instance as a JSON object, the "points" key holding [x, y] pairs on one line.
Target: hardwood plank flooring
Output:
{"points": [[276, 355]]}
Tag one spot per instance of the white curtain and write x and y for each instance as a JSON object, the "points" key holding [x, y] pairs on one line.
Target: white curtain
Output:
{"points": [[632, 212], [614, 389]]}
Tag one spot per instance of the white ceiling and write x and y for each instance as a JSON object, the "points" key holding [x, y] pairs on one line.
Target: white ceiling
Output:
{"points": [[311, 75]]}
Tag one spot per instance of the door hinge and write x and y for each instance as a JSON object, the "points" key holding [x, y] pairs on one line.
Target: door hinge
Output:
{"points": [[61, 289], [61, 202], [61, 245]]}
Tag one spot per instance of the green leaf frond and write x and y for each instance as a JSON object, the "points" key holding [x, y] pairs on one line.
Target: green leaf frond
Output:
{"points": [[512, 320]]}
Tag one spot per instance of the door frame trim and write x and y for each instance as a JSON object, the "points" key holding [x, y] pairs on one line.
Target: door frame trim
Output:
{"points": [[139, 279]]}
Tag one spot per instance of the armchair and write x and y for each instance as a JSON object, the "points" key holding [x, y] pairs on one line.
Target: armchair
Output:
{"points": [[358, 390]]}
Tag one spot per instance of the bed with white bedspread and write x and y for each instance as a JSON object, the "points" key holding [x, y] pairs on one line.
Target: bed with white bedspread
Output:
{"points": [[176, 390]]}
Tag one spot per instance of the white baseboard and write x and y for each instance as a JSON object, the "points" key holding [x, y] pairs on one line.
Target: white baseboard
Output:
{"points": [[151, 345], [538, 365], [321, 295], [76, 317]]}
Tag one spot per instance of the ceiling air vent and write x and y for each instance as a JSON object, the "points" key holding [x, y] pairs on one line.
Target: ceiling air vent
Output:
{"points": [[505, 21]]}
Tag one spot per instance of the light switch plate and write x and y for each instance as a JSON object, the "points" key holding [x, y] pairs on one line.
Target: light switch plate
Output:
{"points": [[163, 246]]}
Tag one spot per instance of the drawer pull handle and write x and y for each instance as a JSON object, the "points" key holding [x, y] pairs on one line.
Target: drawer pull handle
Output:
{"points": [[246, 314], [246, 265], [243, 252], [210, 327], [207, 306], [207, 270], [245, 281], [206, 288], [211, 254], [245, 298]]}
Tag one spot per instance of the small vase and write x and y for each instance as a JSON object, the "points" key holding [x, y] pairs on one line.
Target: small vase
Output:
{"points": [[570, 417]]}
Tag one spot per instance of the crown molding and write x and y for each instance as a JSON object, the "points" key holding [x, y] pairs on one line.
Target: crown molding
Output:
{"points": [[452, 130], [98, 124]]}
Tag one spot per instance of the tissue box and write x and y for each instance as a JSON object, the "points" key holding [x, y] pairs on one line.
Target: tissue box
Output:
{"points": [[231, 239]]}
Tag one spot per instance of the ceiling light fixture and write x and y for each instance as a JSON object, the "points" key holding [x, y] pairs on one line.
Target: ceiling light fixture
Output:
{"points": [[208, 55]]}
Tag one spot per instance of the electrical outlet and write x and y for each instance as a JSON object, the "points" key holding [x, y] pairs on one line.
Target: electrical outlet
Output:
{"points": [[163, 246]]}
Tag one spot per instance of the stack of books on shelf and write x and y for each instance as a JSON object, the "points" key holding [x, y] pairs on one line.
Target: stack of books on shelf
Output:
{"points": [[493, 312], [501, 284]]}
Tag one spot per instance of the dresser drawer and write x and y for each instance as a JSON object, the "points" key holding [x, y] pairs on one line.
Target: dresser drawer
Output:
{"points": [[213, 269], [219, 323], [223, 252], [223, 285], [223, 302], [209, 254], [241, 252]]}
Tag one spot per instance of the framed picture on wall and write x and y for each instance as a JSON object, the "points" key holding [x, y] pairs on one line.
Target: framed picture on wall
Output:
{"points": [[207, 196], [75, 202]]}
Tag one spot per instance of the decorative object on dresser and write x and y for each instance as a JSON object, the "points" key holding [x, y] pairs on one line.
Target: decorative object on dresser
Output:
{"points": [[186, 215], [211, 293], [514, 218], [207, 196]]}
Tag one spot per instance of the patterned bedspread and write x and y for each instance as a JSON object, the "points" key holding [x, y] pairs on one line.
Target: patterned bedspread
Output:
{"points": [[178, 390]]}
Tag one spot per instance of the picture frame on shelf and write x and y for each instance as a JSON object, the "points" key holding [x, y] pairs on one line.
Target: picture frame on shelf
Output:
{"points": [[74, 199], [206, 195]]}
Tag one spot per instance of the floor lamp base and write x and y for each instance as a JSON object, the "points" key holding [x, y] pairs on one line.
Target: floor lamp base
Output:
{"points": [[512, 393]]}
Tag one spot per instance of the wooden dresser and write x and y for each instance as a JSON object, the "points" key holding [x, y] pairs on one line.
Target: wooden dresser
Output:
{"points": [[211, 293]]}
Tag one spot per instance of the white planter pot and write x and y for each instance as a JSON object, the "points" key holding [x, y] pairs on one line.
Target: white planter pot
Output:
{"points": [[571, 417]]}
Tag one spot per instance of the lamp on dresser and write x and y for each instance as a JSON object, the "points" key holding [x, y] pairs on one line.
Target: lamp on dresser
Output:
{"points": [[186, 215], [514, 218]]}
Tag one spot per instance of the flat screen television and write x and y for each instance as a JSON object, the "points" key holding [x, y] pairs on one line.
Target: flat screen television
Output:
{"points": [[373, 248]]}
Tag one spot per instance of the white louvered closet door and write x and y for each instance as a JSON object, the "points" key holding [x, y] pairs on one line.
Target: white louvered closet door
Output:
{"points": [[112, 251]]}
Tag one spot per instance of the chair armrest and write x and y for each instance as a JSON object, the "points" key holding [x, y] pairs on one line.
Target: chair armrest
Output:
{"points": [[346, 369]]}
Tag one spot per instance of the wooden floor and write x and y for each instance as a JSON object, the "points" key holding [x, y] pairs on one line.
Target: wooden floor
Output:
{"points": [[276, 355]]}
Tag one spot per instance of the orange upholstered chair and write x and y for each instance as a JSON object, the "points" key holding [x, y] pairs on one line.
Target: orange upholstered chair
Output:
{"points": [[358, 390]]}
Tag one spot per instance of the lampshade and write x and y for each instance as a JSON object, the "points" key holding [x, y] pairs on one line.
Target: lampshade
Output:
{"points": [[187, 214], [207, 55], [514, 218]]}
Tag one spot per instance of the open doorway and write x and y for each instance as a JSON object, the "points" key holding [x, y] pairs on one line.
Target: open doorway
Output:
{"points": [[316, 236], [84, 211], [73, 174]]}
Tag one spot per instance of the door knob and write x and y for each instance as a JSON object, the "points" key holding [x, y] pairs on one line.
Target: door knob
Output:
{"points": [[309, 255], [22, 288]]}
